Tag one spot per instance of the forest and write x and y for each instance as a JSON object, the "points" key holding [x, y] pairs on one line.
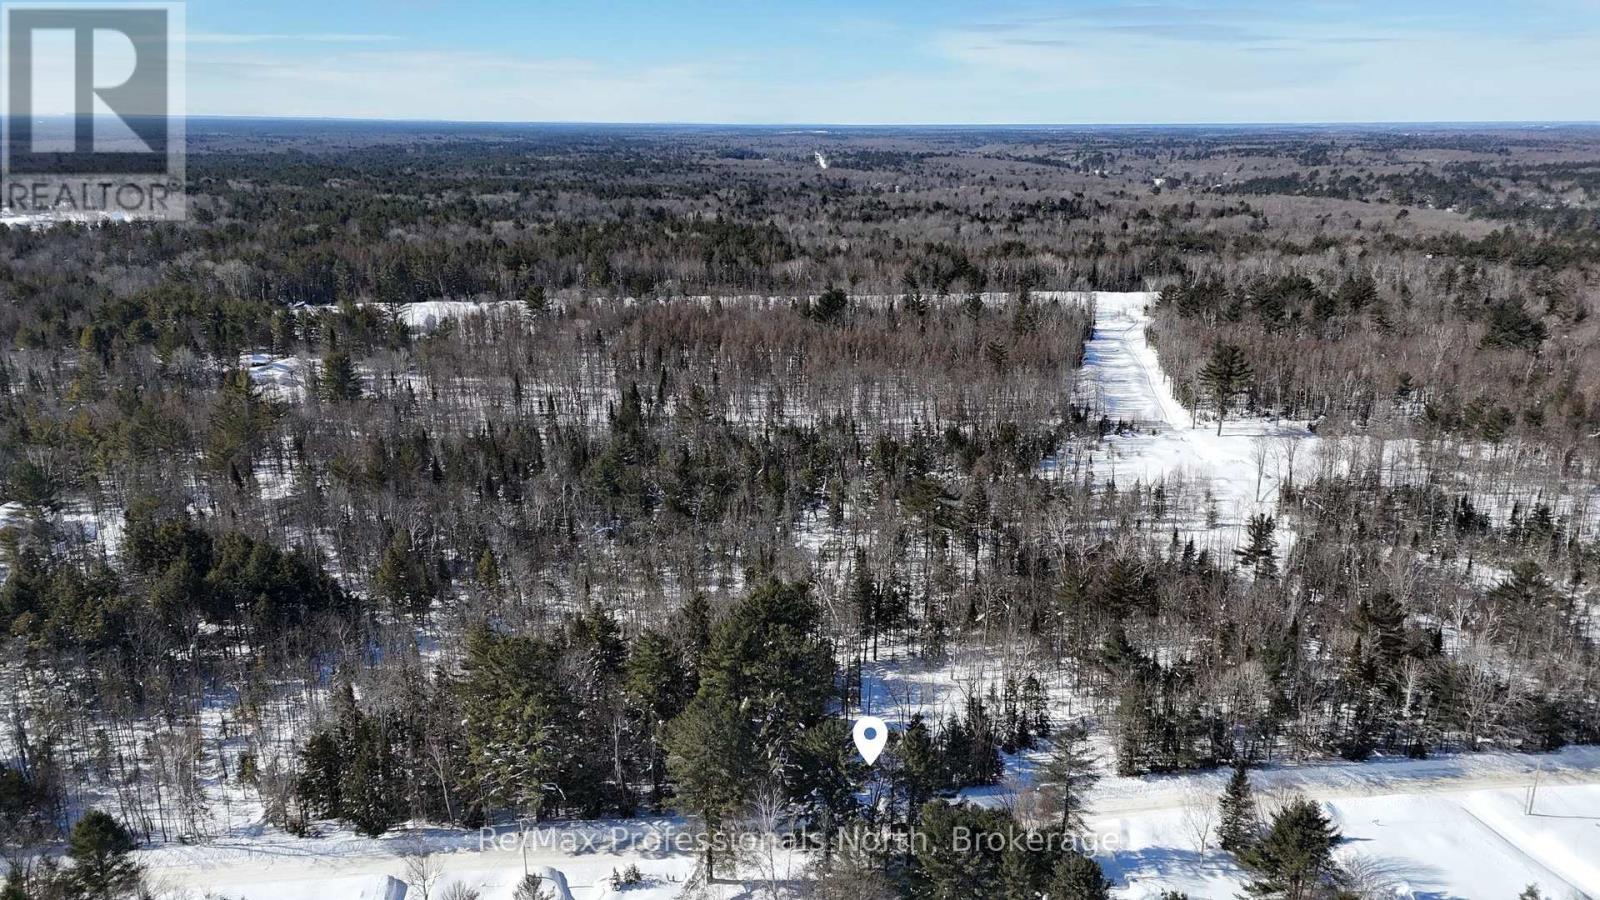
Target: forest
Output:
{"points": [[517, 475]]}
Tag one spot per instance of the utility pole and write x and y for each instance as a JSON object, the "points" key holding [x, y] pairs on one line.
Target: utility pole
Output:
{"points": [[1533, 789]]}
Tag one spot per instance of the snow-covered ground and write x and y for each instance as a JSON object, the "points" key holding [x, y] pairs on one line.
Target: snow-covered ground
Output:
{"points": [[280, 377], [1241, 468], [1453, 827]]}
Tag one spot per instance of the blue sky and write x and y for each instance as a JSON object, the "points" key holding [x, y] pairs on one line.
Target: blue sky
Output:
{"points": [[927, 61]]}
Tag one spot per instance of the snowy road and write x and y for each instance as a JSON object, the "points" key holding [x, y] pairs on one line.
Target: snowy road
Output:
{"points": [[1241, 468], [1452, 827]]}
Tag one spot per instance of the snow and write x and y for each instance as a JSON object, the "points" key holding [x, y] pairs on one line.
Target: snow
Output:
{"points": [[279, 377], [574, 861], [429, 314], [1242, 467], [1450, 827], [12, 514], [1438, 828]]}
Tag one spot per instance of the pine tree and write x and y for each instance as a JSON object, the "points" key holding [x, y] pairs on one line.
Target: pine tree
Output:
{"points": [[1035, 707], [830, 306], [596, 772], [515, 715], [865, 597], [1295, 854], [1258, 554], [487, 570], [240, 422], [1527, 589], [693, 635], [101, 870], [1357, 292], [656, 685], [711, 755], [956, 859], [339, 381], [402, 577], [1236, 829], [534, 299], [769, 656], [372, 788], [1024, 872], [1226, 376], [1357, 740], [1068, 776], [1382, 622], [1137, 736], [531, 887], [321, 772], [1078, 877], [922, 770], [766, 678], [829, 772], [1120, 588]]}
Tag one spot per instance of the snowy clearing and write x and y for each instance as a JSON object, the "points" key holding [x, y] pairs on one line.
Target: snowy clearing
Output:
{"points": [[1242, 467]]}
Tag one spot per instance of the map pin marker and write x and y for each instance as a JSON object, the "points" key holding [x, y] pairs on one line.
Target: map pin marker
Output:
{"points": [[871, 735]]}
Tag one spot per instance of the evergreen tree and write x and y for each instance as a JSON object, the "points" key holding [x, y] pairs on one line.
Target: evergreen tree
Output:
{"points": [[321, 773], [1257, 555], [1077, 877], [955, 858], [1236, 828], [1067, 777], [595, 769], [1139, 727], [1225, 376], [339, 382], [1381, 623], [1357, 292], [487, 570], [765, 679], [1296, 853], [711, 755], [1024, 871], [865, 596], [693, 635], [1511, 326], [1527, 590], [768, 656], [1036, 707], [922, 769], [829, 773], [534, 299], [830, 306], [403, 577], [1120, 588], [240, 422], [1357, 739], [515, 717], [101, 870], [372, 791], [656, 687]]}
